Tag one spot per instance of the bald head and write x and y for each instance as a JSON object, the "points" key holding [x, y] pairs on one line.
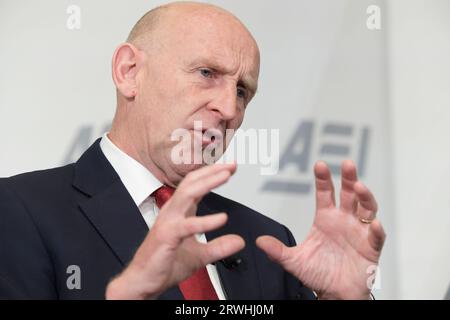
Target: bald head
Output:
{"points": [[150, 26]]}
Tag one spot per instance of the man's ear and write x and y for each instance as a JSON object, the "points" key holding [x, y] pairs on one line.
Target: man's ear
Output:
{"points": [[125, 64]]}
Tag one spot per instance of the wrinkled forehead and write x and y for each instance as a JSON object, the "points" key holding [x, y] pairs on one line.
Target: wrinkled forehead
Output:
{"points": [[216, 37]]}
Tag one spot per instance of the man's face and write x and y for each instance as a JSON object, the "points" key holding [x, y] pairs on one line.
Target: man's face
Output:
{"points": [[205, 69]]}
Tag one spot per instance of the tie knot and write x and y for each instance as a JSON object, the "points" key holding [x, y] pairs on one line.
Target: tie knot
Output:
{"points": [[162, 195]]}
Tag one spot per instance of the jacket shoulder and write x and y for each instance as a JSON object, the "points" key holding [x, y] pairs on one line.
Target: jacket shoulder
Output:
{"points": [[39, 181]]}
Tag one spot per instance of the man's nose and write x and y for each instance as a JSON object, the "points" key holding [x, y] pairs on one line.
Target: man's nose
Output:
{"points": [[225, 102]]}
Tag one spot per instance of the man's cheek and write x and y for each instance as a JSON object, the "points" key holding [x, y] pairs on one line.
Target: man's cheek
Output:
{"points": [[236, 123]]}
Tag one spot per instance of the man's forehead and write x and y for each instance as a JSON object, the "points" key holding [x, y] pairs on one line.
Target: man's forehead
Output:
{"points": [[227, 52], [204, 34]]}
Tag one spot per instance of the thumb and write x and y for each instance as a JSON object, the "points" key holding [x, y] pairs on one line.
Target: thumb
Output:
{"points": [[288, 257], [274, 248]]}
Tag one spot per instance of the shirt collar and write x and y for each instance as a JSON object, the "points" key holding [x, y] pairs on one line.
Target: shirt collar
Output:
{"points": [[138, 180]]}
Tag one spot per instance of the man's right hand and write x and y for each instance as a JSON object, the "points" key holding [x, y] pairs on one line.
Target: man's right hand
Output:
{"points": [[170, 252]]}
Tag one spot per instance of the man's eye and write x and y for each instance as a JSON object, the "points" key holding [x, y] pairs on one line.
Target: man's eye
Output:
{"points": [[206, 73], [241, 93]]}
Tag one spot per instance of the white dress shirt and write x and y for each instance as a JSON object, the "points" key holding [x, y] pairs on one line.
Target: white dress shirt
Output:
{"points": [[141, 183]]}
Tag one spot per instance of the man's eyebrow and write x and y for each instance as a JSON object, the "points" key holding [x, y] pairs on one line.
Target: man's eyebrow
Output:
{"points": [[246, 82], [210, 63]]}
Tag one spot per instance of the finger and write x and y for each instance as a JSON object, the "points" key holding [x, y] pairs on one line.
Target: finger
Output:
{"points": [[277, 251], [324, 186], [191, 190], [193, 225], [348, 200], [198, 177], [377, 236], [367, 205], [172, 231], [201, 173], [220, 248], [190, 193]]}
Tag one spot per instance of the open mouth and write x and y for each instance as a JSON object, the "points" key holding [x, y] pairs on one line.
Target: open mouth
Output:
{"points": [[208, 136], [212, 135]]}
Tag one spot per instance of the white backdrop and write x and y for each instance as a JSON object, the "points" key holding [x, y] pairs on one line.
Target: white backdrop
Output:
{"points": [[419, 47], [327, 82]]}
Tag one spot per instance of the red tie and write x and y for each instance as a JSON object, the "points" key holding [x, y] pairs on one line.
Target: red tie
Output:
{"points": [[198, 286]]}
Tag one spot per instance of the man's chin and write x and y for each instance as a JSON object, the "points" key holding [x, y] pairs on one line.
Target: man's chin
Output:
{"points": [[183, 169]]}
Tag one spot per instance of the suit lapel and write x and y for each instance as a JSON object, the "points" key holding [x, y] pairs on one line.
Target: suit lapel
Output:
{"points": [[117, 219], [109, 207]]}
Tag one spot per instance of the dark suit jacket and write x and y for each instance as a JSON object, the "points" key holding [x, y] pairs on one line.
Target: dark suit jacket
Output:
{"points": [[82, 215]]}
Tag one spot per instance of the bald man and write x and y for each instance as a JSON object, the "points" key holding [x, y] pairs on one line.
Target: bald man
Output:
{"points": [[128, 221]]}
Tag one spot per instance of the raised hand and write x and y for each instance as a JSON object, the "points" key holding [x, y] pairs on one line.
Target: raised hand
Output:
{"points": [[170, 253], [344, 245]]}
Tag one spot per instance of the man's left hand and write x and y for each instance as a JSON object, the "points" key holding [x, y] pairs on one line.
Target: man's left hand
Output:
{"points": [[343, 247]]}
